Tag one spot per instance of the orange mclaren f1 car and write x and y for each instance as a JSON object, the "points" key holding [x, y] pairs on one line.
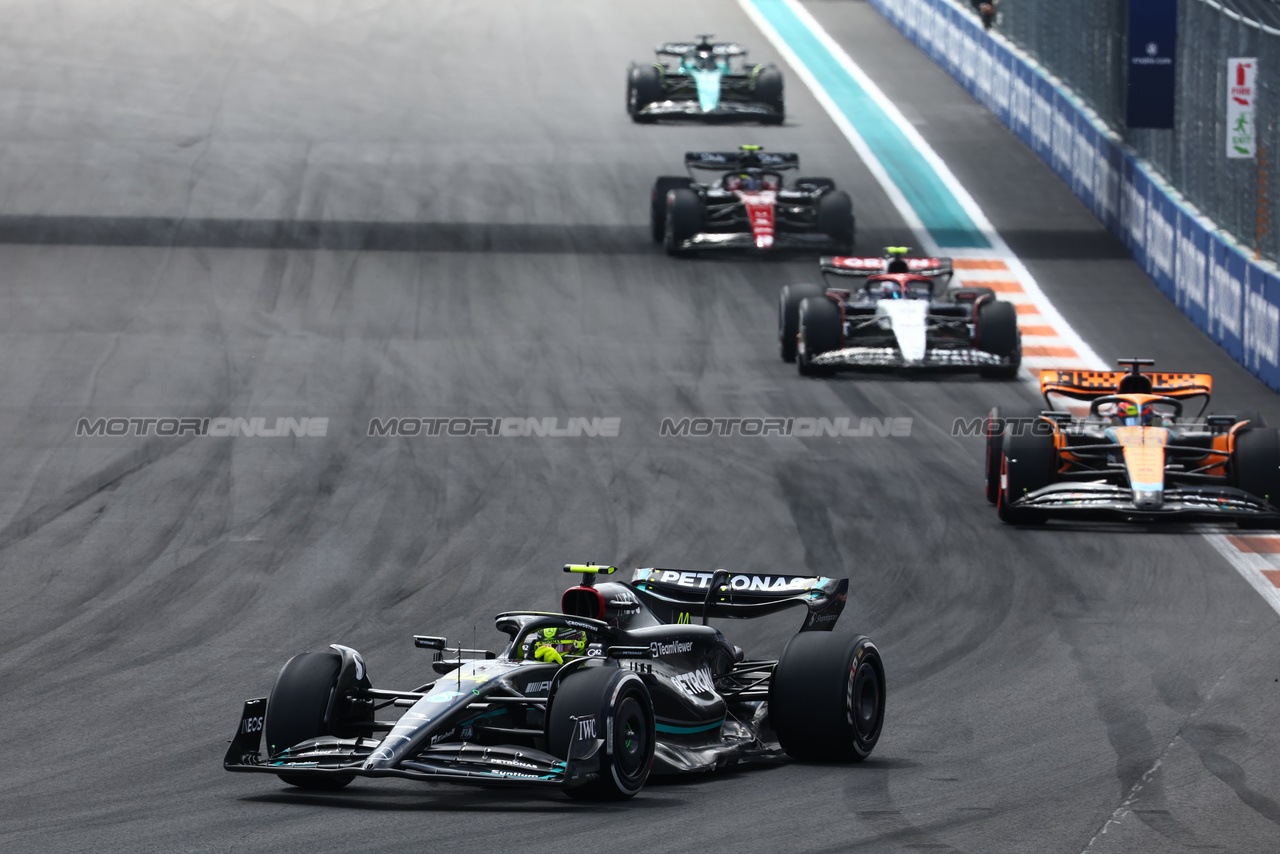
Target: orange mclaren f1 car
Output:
{"points": [[1136, 454]]}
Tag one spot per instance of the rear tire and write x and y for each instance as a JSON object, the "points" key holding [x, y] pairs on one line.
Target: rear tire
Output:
{"points": [[296, 711], [658, 202], [644, 86], [827, 697], [996, 332], [1030, 460], [684, 219], [835, 218], [818, 325], [1256, 469], [623, 716], [789, 316]]}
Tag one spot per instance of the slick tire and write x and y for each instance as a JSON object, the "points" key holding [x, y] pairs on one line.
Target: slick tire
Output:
{"points": [[658, 203], [996, 332], [296, 710], [768, 90], [684, 219], [1030, 460], [835, 219], [614, 705], [827, 697], [644, 86], [1256, 469], [997, 424], [818, 327], [789, 316]]}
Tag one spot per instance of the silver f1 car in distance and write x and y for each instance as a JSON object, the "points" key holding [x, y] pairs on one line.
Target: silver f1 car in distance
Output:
{"points": [[897, 312], [645, 688], [748, 204], [706, 80]]}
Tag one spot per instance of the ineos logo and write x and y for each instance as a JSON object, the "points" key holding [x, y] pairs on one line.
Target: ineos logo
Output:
{"points": [[251, 725]]}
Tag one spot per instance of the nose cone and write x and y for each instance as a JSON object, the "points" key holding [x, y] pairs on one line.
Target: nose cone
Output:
{"points": [[1148, 498]]}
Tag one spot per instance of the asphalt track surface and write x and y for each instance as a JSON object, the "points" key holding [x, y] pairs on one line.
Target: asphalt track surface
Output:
{"points": [[359, 209]]}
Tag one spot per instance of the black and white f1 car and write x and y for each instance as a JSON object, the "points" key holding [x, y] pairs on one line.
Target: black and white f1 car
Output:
{"points": [[704, 80], [748, 205], [898, 312], [642, 688]]}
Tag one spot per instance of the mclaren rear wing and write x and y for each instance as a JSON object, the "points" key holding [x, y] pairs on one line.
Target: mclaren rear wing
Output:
{"points": [[680, 595], [843, 265], [1089, 385]]}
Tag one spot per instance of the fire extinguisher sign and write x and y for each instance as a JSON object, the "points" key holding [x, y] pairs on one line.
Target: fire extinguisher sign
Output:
{"points": [[1242, 93]]}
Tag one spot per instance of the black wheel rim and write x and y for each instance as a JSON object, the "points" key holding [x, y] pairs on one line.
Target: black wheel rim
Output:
{"points": [[630, 738]]}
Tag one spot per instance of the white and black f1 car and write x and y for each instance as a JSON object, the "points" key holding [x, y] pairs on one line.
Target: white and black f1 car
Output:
{"points": [[898, 312], [748, 205], [648, 689], [704, 80]]}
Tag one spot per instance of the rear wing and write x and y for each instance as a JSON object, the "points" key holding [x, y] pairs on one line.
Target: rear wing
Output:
{"points": [[1087, 385], [681, 48], [843, 265], [680, 596], [1090, 385], [727, 160]]}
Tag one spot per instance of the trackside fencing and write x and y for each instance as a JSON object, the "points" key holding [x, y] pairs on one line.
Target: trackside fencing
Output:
{"points": [[1234, 299]]}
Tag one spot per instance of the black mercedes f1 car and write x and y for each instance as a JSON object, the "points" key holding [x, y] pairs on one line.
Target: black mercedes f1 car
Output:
{"points": [[646, 689], [704, 80], [741, 200]]}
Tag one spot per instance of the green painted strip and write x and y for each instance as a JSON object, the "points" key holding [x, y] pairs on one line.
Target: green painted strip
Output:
{"points": [[685, 730], [935, 205]]}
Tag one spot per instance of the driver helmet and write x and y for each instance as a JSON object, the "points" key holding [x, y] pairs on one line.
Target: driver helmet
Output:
{"points": [[552, 645], [705, 60], [890, 289], [750, 183], [896, 259], [1132, 415]]}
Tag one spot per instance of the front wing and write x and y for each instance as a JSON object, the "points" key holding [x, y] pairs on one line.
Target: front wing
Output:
{"points": [[690, 108], [891, 357], [329, 756], [1109, 500]]}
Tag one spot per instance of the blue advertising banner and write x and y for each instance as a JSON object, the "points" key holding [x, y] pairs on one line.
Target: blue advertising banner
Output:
{"points": [[1153, 38]]}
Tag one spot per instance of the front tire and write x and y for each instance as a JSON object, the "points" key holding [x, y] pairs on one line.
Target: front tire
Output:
{"points": [[658, 202], [1256, 469], [997, 425], [621, 712], [644, 86], [296, 709], [827, 697], [768, 90], [818, 325], [684, 220], [789, 316], [1030, 460]]}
